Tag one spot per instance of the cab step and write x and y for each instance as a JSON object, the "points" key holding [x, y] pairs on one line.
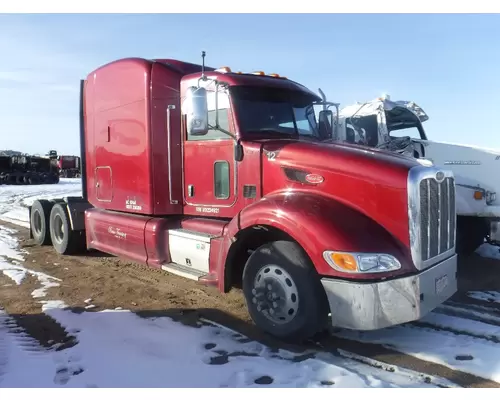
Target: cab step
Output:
{"points": [[184, 271]]}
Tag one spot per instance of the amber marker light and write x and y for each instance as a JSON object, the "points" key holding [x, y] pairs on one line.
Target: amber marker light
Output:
{"points": [[478, 195], [344, 261]]}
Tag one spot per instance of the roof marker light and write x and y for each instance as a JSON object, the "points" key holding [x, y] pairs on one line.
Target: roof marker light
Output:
{"points": [[258, 73], [224, 70]]}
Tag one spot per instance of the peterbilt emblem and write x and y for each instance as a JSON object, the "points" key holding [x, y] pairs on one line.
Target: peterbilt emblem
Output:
{"points": [[440, 176], [314, 178]]}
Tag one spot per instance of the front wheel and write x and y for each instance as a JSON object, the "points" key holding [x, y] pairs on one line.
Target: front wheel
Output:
{"points": [[283, 292]]}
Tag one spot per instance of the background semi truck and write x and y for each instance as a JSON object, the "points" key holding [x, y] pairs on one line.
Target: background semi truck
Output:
{"points": [[69, 166], [27, 170], [223, 178], [398, 126]]}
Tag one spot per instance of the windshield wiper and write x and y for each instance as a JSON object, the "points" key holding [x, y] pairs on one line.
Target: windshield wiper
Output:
{"points": [[277, 132], [273, 131]]}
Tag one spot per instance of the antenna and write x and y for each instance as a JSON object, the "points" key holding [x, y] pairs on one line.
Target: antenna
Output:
{"points": [[323, 96], [203, 64]]}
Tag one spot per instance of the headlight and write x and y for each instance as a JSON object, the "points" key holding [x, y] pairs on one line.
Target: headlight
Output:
{"points": [[361, 263]]}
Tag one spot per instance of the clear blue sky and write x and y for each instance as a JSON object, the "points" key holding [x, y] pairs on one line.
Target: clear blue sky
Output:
{"points": [[449, 64]]}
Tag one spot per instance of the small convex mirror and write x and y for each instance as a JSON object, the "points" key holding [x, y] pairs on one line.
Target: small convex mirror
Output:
{"points": [[197, 111]]}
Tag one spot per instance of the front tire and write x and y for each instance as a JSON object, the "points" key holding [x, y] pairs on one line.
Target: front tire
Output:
{"points": [[283, 292]]}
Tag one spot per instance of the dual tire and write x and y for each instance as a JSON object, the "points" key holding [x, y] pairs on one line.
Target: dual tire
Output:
{"points": [[50, 224]]}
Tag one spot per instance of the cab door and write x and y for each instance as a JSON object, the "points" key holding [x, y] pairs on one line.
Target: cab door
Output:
{"points": [[210, 171]]}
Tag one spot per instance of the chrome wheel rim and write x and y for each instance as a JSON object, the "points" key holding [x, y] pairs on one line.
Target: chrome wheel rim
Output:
{"points": [[275, 294]]}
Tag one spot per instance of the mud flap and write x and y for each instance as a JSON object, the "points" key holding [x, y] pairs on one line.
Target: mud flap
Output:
{"points": [[76, 207]]}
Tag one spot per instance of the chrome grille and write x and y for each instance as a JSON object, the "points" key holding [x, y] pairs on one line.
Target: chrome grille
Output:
{"points": [[432, 215], [437, 217]]}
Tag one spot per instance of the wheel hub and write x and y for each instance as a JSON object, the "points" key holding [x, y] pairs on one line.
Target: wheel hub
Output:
{"points": [[275, 294]]}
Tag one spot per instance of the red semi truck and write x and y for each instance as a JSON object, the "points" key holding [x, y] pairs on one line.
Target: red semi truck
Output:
{"points": [[69, 166], [225, 178]]}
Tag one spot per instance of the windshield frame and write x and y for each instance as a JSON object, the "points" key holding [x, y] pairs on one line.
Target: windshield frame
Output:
{"points": [[405, 119], [241, 98]]}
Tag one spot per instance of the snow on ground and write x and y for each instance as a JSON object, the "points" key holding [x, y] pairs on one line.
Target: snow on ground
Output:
{"points": [[14, 199], [10, 264], [489, 296], [488, 251], [459, 343], [117, 348]]}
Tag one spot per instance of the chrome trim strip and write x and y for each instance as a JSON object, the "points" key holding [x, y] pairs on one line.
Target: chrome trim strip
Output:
{"points": [[439, 218], [169, 134], [449, 212]]}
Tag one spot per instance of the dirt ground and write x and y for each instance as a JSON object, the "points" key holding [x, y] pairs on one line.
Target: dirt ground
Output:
{"points": [[111, 283]]}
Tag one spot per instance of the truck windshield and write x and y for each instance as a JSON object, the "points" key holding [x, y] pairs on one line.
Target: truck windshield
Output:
{"points": [[402, 122], [274, 111]]}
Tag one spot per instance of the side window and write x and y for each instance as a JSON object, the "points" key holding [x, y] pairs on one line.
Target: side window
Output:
{"points": [[223, 106], [221, 180]]}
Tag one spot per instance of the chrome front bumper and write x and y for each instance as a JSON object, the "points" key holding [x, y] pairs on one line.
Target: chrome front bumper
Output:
{"points": [[369, 306]]}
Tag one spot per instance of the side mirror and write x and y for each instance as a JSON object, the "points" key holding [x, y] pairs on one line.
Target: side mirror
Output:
{"points": [[197, 111], [325, 123]]}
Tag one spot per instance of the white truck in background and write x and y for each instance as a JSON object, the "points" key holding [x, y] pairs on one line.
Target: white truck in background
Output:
{"points": [[398, 126]]}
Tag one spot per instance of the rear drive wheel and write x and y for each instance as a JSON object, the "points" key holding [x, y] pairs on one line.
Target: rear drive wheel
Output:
{"points": [[39, 221], [283, 292], [64, 239]]}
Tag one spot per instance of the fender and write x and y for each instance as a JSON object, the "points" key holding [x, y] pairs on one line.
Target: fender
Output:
{"points": [[318, 223]]}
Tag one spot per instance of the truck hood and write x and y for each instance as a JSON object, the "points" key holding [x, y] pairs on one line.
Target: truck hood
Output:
{"points": [[373, 182], [337, 157]]}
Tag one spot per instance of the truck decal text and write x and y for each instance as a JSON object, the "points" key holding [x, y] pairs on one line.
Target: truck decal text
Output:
{"points": [[117, 233], [131, 204], [462, 162], [212, 210]]}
